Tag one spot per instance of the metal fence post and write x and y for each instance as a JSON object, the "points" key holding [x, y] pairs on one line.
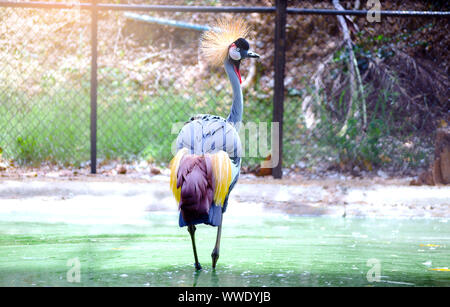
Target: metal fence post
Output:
{"points": [[94, 28], [278, 95]]}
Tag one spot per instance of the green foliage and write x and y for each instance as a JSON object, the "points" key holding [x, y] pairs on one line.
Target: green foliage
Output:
{"points": [[380, 46], [355, 147], [27, 149]]}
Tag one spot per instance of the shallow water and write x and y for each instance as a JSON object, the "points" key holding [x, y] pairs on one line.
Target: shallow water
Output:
{"points": [[260, 250]]}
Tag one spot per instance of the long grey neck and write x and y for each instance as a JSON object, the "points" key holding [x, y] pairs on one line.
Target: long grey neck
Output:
{"points": [[237, 108]]}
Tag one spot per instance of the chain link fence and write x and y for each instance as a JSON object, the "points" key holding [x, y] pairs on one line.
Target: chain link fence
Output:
{"points": [[150, 78], [44, 85]]}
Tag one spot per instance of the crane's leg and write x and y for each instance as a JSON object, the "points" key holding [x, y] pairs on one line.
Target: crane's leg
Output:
{"points": [[215, 252], [191, 229]]}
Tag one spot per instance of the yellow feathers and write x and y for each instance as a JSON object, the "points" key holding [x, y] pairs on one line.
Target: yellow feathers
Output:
{"points": [[174, 165], [215, 42], [221, 167]]}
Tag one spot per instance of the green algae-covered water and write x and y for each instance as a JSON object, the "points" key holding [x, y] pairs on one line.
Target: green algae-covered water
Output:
{"points": [[260, 250]]}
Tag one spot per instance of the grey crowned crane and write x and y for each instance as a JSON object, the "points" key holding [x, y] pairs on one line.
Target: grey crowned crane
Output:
{"points": [[207, 163]]}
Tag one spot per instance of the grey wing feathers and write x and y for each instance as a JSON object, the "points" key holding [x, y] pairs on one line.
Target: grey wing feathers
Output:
{"points": [[207, 134]]}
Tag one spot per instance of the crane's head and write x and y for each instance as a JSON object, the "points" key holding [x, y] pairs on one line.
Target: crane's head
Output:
{"points": [[239, 50], [226, 41]]}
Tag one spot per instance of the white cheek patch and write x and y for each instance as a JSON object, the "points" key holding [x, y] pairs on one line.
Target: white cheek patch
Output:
{"points": [[234, 54]]}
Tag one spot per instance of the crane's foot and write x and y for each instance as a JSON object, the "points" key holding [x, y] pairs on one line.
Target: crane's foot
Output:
{"points": [[215, 257], [197, 266]]}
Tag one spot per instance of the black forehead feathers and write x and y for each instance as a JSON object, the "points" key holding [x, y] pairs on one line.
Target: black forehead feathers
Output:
{"points": [[241, 43]]}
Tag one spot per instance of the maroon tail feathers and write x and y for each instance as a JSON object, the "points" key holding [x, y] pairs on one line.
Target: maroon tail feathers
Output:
{"points": [[195, 177]]}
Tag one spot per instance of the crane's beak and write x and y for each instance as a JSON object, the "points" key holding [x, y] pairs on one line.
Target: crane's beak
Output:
{"points": [[251, 54]]}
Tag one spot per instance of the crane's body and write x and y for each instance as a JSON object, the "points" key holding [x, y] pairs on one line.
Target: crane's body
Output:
{"points": [[208, 134], [207, 163]]}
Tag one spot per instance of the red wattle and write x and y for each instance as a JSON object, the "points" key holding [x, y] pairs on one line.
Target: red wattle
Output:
{"points": [[238, 73]]}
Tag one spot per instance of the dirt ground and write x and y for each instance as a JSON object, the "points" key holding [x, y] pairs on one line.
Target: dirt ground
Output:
{"points": [[333, 194]]}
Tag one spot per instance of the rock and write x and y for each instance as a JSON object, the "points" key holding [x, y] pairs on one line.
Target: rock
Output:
{"points": [[424, 178], [30, 174], [265, 168], [121, 169], [301, 164], [65, 173], [52, 174], [445, 165], [441, 165], [382, 174], [3, 167], [440, 168], [155, 170], [143, 164], [436, 171]]}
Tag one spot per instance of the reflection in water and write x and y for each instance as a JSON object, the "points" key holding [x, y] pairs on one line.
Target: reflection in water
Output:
{"points": [[214, 279], [196, 276]]}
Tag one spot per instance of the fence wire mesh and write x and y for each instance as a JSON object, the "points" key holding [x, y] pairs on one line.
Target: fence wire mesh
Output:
{"points": [[44, 80], [151, 77]]}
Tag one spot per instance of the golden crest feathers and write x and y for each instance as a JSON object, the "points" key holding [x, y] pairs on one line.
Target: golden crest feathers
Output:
{"points": [[215, 42]]}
